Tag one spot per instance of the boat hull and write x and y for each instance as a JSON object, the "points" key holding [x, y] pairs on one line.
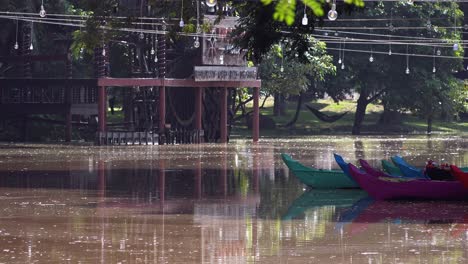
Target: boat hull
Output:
{"points": [[383, 188], [318, 179]]}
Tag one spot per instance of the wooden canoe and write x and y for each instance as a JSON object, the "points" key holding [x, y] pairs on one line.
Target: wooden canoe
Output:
{"points": [[317, 178], [385, 188]]}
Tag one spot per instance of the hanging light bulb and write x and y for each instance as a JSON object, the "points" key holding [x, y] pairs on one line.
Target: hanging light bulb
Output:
{"points": [[434, 69], [339, 61], [305, 20], [407, 60], [391, 28], [16, 38], [342, 66], [31, 47], [152, 51], [390, 52], [211, 3], [332, 14], [455, 46], [371, 58], [182, 23], [103, 51], [42, 12], [155, 58], [196, 44], [438, 52]]}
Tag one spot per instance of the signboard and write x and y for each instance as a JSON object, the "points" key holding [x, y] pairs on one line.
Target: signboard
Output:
{"points": [[224, 73]]}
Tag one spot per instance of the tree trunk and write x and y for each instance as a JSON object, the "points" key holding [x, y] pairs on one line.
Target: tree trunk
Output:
{"points": [[279, 108], [429, 123], [276, 104], [298, 110], [360, 114]]}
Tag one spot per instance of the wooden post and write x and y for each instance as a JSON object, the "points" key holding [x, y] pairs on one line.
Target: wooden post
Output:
{"points": [[198, 112], [162, 109], [69, 101], [68, 125], [256, 115], [223, 118], [102, 108]]}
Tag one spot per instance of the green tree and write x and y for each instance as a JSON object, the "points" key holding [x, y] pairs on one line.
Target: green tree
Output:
{"points": [[385, 77], [287, 75]]}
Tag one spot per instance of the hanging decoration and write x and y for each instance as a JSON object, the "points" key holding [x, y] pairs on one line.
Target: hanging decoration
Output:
{"points": [[42, 12], [407, 61], [305, 19], [16, 38], [196, 44], [342, 61], [332, 14], [31, 47], [434, 62], [182, 23], [339, 54]]}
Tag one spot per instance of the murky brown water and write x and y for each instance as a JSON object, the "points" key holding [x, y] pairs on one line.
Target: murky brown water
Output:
{"points": [[231, 203]]}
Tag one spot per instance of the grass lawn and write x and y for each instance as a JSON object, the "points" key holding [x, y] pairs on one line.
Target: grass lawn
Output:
{"points": [[309, 124]]}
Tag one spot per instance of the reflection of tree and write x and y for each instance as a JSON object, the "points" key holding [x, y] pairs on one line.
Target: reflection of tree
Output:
{"points": [[359, 149]]}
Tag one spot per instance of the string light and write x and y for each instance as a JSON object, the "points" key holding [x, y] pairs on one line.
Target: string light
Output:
{"points": [[433, 62], [16, 38], [182, 23], [305, 19], [455, 45], [407, 61], [339, 56], [389, 46], [342, 62], [332, 14], [42, 12], [31, 47]]}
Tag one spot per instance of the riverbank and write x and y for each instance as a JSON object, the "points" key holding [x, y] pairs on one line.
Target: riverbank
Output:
{"points": [[309, 124]]}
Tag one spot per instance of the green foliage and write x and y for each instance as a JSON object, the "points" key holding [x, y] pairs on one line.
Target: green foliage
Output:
{"points": [[285, 10], [289, 75]]}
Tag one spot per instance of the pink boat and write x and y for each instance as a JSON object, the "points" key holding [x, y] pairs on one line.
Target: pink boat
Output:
{"points": [[385, 188]]}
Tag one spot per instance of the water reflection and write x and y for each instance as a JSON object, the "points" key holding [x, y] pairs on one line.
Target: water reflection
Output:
{"points": [[218, 204]]}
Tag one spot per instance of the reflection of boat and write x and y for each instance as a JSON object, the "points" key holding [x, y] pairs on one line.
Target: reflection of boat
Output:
{"points": [[383, 188], [319, 198], [430, 212], [316, 178]]}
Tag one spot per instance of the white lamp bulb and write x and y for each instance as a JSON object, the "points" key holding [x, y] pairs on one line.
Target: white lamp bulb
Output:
{"points": [[332, 14]]}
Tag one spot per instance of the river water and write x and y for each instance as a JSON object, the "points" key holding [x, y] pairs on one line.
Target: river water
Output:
{"points": [[234, 203]]}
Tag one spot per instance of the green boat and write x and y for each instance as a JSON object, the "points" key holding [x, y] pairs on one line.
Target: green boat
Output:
{"points": [[316, 178], [391, 169]]}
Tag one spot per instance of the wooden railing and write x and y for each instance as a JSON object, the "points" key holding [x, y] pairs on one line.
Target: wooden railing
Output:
{"points": [[48, 91]]}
